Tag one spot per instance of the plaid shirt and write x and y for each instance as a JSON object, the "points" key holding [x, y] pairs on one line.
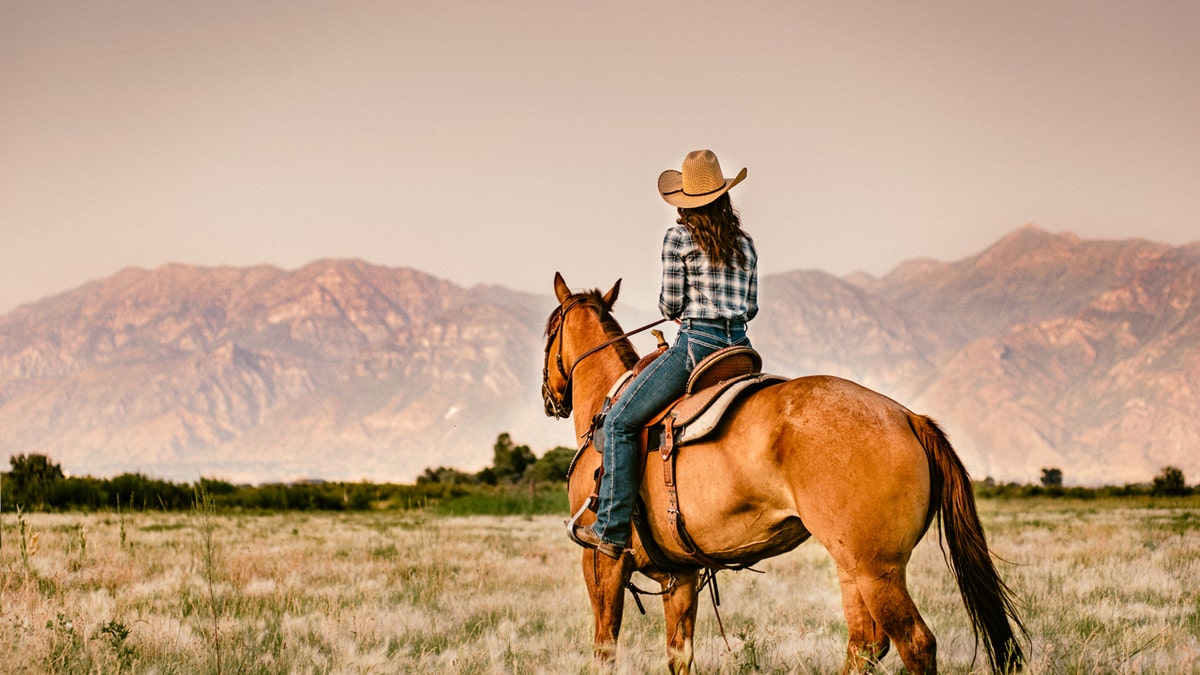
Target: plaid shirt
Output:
{"points": [[694, 288]]}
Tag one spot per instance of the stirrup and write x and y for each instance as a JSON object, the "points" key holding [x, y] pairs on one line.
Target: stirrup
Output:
{"points": [[575, 519]]}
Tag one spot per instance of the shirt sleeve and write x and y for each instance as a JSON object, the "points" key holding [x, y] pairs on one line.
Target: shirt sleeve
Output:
{"points": [[671, 299], [752, 285]]}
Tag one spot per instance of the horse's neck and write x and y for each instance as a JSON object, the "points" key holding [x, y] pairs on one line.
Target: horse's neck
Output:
{"points": [[593, 379]]}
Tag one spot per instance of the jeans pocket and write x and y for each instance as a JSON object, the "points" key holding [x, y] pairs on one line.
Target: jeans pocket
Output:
{"points": [[698, 347]]}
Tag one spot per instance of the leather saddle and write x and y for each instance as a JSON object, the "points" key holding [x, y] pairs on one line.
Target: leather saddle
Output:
{"points": [[722, 378], [717, 381]]}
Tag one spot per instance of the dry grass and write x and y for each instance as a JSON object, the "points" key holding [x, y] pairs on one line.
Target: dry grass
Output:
{"points": [[1108, 587]]}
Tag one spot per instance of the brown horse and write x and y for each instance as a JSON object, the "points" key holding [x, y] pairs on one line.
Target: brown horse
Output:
{"points": [[815, 456]]}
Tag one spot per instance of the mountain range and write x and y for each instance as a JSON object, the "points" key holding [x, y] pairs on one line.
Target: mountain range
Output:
{"points": [[1042, 351], [338, 370]]}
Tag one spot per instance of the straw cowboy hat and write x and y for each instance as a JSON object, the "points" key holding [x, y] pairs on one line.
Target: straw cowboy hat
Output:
{"points": [[700, 182]]}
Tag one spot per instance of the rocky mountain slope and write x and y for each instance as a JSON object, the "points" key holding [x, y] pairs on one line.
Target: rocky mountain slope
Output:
{"points": [[1043, 351], [338, 370]]}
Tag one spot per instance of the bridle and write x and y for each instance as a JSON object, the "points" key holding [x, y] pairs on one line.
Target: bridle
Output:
{"points": [[560, 408]]}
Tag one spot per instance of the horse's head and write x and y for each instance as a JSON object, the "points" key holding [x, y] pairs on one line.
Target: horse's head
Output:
{"points": [[556, 381]]}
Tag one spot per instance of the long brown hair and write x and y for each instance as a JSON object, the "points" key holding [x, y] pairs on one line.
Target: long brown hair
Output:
{"points": [[717, 230]]}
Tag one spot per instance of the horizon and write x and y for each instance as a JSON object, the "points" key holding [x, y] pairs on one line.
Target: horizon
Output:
{"points": [[548, 292], [317, 480]]}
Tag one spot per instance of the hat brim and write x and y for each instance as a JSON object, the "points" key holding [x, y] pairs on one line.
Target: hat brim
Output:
{"points": [[670, 186]]}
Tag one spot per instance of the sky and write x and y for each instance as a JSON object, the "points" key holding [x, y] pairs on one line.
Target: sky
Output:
{"points": [[500, 142]]}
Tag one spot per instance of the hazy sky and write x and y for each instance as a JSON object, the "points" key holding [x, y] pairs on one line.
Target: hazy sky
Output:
{"points": [[498, 142]]}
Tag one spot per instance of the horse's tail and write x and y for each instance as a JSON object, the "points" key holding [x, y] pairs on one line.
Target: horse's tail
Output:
{"points": [[988, 600]]}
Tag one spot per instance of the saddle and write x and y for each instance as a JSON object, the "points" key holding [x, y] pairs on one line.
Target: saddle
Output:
{"points": [[717, 382]]}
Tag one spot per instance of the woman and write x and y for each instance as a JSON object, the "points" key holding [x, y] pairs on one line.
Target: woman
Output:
{"points": [[710, 288]]}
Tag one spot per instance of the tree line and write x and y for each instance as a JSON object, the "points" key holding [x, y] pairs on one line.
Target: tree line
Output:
{"points": [[517, 481], [37, 483], [1169, 482]]}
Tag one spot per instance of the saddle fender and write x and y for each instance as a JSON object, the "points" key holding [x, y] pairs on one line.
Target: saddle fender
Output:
{"points": [[716, 383]]}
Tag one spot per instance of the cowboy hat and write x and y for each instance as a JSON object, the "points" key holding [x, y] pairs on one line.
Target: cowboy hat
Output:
{"points": [[700, 182]]}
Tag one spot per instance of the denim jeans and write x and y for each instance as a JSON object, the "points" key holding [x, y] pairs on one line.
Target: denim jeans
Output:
{"points": [[663, 381]]}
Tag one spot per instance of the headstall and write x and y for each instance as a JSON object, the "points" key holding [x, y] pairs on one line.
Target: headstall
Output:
{"points": [[561, 408]]}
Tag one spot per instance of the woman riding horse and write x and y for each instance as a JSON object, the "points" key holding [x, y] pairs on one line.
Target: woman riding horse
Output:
{"points": [[815, 457], [709, 287]]}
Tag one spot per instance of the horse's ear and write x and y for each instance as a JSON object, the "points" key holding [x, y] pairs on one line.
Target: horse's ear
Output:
{"points": [[560, 288], [611, 296]]}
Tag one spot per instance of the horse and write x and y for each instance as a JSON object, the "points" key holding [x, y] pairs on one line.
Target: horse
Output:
{"points": [[813, 457]]}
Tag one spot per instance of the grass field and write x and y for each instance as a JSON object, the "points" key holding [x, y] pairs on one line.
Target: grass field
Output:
{"points": [[1109, 586]]}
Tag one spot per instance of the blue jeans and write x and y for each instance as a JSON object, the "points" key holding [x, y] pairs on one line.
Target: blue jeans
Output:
{"points": [[663, 381]]}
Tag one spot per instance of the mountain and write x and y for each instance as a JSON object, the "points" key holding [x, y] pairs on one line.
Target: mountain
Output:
{"points": [[338, 370], [811, 323], [1042, 351]]}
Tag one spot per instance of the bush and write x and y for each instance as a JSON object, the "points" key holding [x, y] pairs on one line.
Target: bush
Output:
{"points": [[447, 476], [1052, 477], [142, 492], [510, 460], [553, 465], [1170, 483], [33, 479]]}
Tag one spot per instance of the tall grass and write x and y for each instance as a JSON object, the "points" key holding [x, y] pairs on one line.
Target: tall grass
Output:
{"points": [[1107, 586]]}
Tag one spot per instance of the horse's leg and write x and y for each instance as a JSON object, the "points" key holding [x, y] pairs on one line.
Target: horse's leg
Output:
{"points": [[868, 643], [606, 580], [679, 609], [885, 594]]}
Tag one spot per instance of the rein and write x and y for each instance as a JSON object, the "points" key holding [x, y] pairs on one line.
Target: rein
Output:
{"points": [[708, 577], [562, 407], [602, 345]]}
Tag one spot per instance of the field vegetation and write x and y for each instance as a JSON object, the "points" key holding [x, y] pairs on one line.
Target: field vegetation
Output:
{"points": [[472, 573], [1107, 586]]}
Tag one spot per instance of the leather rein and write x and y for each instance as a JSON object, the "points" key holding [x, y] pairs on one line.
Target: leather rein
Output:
{"points": [[561, 408]]}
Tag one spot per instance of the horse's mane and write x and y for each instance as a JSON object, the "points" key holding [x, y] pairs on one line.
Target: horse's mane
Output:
{"points": [[595, 298]]}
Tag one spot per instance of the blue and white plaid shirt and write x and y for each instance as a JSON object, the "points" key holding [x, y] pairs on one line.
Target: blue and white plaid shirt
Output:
{"points": [[694, 288]]}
